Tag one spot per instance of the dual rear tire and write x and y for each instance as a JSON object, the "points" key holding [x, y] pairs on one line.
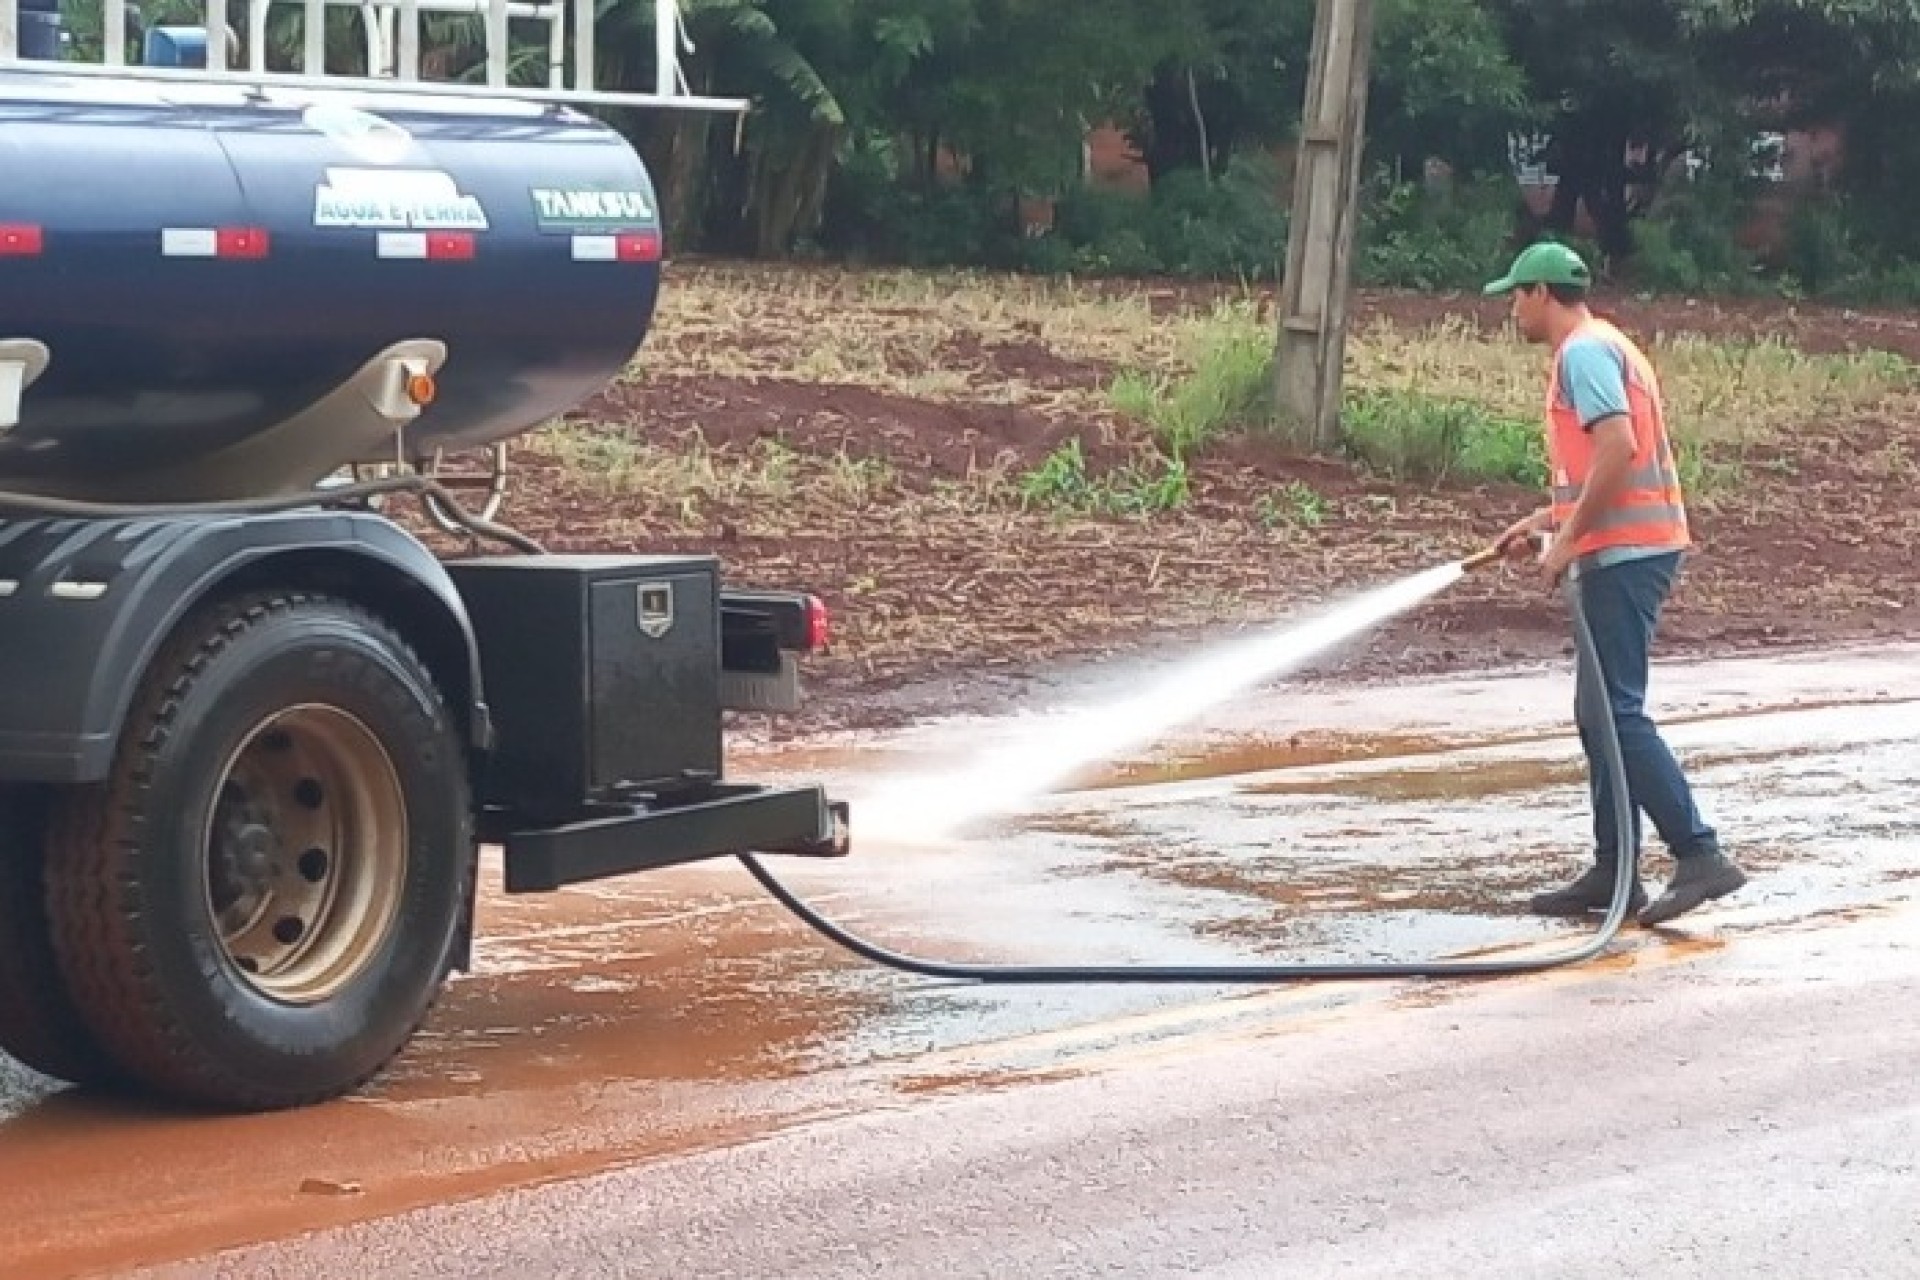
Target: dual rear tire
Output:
{"points": [[258, 907]]}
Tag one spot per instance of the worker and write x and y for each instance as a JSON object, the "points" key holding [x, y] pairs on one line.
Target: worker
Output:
{"points": [[1616, 527]]}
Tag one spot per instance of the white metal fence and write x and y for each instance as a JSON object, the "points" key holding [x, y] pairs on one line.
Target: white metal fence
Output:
{"points": [[393, 31]]}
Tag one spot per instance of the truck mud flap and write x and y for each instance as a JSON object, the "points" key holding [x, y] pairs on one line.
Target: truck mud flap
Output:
{"points": [[773, 691], [733, 820]]}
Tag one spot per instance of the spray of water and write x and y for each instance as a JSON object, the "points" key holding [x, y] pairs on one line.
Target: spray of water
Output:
{"points": [[935, 807]]}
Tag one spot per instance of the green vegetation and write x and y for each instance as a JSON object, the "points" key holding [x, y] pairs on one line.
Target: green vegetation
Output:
{"points": [[1061, 483], [1446, 404], [923, 132], [1228, 388], [1295, 503], [1411, 436], [1435, 402]]}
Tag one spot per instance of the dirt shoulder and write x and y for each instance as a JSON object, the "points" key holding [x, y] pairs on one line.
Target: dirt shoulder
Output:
{"points": [[815, 431]]}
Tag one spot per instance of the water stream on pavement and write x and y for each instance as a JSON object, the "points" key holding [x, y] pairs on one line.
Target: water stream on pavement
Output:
{"points": [[935, 806]]}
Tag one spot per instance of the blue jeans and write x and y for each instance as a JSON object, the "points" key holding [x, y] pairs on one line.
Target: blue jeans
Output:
{"points": [[1622, 603]]}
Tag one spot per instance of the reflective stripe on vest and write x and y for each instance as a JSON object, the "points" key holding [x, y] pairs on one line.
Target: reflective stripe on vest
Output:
{"points": [[1655, 476], [1651, 511]]}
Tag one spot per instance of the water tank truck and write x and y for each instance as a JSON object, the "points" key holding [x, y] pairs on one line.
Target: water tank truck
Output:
{"points": [[253, 731]]}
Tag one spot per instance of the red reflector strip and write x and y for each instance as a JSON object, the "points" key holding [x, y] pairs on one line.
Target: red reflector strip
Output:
{"points": [[639, 246], [819, 625], [213, 242], [449, 244], [628, 246], [426, 246], [243, 242], [18, 240]]}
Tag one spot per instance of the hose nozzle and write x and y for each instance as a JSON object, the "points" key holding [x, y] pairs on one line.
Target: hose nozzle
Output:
{"points": [[1502, 549], [1481, 559]]}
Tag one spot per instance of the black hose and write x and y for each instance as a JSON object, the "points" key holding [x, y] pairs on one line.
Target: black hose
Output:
{"points": [[34, 504], [1626, 864]]}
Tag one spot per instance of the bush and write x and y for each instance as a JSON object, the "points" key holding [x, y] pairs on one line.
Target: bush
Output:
{"points": [[1233, 228], [1862, 249], [1688, 242], [1414, 238]]}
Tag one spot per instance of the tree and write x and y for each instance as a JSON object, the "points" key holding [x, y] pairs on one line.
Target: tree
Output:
{"points": [[1851, 64], [1232, 74], [1444, 86], [1016, 96], [1007, 88], [1624, 93], [746, 198], [1627, 86], [1005, 91]]}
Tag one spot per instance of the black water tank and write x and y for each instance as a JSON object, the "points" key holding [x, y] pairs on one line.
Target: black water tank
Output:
{"points": [[205, 263]]}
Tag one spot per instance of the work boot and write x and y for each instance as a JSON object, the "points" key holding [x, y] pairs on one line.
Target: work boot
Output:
{"points": [[1592, 892], [1696, 879]]}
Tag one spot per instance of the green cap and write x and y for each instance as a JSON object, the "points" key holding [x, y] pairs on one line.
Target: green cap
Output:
{"points": [[1548, 262]]}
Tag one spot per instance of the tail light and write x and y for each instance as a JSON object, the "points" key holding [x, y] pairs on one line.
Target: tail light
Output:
{"points": [[819, 625]]}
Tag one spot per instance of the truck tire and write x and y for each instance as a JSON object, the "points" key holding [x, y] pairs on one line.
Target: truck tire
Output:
{"points": [[258, 907], [39, 1025]]}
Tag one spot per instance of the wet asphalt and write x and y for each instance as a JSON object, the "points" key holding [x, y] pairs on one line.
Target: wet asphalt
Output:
{"points": [[667, 1074]]}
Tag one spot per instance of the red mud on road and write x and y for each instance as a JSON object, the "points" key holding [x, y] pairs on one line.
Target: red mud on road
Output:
{"points": [[599, 1030]]}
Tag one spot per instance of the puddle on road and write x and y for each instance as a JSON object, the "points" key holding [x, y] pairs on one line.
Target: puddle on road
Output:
{"points": [[628, 984], [1296, 908], [1400, 858], [1323, 891], [1245, 755], [1476, 779]]}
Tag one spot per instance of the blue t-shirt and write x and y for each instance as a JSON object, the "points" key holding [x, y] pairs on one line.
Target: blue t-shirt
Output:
{"points": [[1593, 383], [1593, 379]]}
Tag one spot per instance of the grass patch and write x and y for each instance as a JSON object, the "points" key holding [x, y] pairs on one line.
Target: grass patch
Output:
{"points": [[1061, 483], [1296, 503], [1411, 436], [683, 479], [1449, 384], [1720, 393], [1178, 366], [1230, 387], [1442, 402], [897, 330]]}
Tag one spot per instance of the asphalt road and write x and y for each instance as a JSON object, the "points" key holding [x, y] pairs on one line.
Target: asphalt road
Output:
{"points": [[1739, 1114], [668, 1076]]}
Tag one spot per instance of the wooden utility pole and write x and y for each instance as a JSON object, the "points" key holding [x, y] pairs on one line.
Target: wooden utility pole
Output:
{"points": [[1311, 355]]}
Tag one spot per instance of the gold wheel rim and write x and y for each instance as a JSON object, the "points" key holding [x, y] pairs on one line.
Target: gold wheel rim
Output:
{"points": [[306, 853]]}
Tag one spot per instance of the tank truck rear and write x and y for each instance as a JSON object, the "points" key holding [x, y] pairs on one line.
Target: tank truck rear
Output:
{"points": [[253, 732]]}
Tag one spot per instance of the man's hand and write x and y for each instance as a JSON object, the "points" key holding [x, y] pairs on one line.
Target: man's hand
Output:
{"points": [[1517, 542], [1555, 563]]}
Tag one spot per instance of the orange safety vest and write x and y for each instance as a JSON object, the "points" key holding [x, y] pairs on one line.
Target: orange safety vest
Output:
{"points": [[1651, 512]]}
